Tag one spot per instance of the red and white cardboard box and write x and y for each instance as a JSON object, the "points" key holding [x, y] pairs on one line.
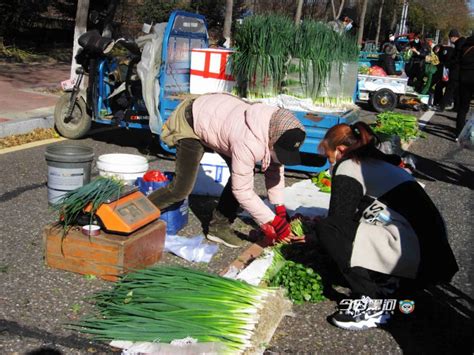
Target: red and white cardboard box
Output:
{"points": [[211, 71]]}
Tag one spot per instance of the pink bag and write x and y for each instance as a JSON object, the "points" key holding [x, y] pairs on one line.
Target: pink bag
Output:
{"points": [[377, 71]]}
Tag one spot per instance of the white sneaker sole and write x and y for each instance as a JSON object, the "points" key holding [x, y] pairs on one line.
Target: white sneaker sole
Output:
{"points": [[363, 324], [221, 241]]}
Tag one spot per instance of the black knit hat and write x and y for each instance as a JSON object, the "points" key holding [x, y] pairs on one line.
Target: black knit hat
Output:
{"points": [[454, 33]]}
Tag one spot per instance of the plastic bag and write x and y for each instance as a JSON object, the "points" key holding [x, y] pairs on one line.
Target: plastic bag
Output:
{"points": [[466, 137], [377, 71], [192, 249]]}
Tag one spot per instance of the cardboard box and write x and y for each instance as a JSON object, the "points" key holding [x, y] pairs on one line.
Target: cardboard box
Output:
{"points": [[212, 176], [211, 71], [106, 255]]}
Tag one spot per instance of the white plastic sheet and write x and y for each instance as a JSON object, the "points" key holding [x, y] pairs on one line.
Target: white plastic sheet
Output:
{"points": [[148, 69], [192, 249]]}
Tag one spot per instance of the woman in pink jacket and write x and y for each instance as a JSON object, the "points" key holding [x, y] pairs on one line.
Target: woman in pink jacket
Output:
{"points": [[243, 134]]}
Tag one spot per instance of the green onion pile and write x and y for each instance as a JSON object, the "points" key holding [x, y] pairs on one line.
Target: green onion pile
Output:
{"points": [[274, 56], [397, 124], [263, 49], [166, 303], [72, 204]]}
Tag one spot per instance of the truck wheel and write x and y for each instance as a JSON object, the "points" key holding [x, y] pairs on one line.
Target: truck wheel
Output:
{"points": [[80, 123], [384, 100]]}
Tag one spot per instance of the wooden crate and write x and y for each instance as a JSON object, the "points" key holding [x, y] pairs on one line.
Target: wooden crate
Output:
{"points": [[106, 255]]}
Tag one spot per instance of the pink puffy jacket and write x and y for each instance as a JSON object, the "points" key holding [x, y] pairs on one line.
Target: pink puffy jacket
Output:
{"points": [[239, 130]]}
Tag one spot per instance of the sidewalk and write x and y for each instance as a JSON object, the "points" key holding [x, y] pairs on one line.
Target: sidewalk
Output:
{"points": [[28, 93]]}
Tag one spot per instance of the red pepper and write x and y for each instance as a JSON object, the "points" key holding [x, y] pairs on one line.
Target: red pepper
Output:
{"points": [[326, 182], [154, 176]]}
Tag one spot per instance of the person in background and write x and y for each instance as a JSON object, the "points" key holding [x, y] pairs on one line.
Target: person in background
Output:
{"points": [[466, 82], [374, 230], [387, 60], [345, 23], [444, 54], [451, 93], [243, 134], [389, 40], [416, 66]]}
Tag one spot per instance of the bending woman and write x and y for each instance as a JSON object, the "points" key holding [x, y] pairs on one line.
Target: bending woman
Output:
{"points": [[382, 229]]}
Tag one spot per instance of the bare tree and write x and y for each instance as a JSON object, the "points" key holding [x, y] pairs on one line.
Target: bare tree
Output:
{"points": [[379, 23], [80, 28], [228, 21], [360, 35], [299, 10], [338, 13]]}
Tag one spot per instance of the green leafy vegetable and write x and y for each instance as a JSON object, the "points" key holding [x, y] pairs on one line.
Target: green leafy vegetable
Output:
{"points": [[302, 283], [397, 124], [323, 181]]}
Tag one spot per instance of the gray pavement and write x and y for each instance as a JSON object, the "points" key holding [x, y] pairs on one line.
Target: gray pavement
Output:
{"points": [[37, 302], [28, 93]]}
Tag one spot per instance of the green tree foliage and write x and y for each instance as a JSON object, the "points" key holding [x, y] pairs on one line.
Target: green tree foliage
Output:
{"points": [[16, 13], [159, 10]]}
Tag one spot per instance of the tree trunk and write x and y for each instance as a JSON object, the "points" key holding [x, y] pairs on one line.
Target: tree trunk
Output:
{"points": [[228, 22], [79, 29], [299, 11], [338, 14], [379, 23], [109, 19], [393, 24], [360, 35]]}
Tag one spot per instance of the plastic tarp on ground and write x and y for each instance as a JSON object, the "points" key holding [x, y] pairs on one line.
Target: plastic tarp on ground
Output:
{"points": [[148, 69]]}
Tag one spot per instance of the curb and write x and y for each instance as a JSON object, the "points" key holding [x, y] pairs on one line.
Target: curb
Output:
{"points": [[26, 125]]}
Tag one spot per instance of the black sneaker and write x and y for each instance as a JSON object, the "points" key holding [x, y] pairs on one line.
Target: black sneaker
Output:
{"points": [[359, 320]]}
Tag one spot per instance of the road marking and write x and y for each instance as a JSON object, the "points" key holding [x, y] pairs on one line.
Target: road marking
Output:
{"points": [[425, 118], [31, 145], [422, 121]]}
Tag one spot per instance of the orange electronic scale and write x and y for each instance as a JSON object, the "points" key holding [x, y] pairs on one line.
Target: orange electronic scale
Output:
{"points": [[126, 214]]}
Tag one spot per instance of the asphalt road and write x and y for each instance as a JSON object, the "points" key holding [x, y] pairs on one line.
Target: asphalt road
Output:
{"points": [[37, 302]]}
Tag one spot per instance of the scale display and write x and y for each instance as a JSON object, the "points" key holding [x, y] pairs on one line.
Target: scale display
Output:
{"points": [[128, 213]]}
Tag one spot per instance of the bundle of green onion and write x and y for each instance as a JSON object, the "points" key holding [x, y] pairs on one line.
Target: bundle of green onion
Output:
{"points": [[95, 193], [165, 303], [262, 50]]}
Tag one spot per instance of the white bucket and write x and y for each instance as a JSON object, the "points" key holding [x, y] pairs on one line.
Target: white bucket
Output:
{"points": [[127, 167]]}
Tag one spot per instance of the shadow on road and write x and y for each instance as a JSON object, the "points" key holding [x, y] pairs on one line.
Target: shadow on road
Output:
{"points": [[441, 323], [440, 130], [451, 173]]}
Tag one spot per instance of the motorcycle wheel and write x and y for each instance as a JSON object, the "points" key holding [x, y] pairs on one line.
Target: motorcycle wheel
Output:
{"points": [[384, 100], [80, 122]]}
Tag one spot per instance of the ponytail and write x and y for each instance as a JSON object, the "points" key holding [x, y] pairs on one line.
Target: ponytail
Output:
{"points": [[358, 138]]}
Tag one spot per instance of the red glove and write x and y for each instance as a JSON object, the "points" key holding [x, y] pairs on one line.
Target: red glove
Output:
{"points": [[277, 230], [280, 211]]}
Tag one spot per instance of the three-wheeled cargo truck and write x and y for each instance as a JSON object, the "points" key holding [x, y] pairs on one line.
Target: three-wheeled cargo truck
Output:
{"points": [[142, 91]]}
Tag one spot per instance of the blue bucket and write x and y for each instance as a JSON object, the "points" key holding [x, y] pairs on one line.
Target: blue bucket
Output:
{"points": [[176, 216]]}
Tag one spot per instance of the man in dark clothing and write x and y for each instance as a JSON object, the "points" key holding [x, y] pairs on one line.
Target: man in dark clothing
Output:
{"points": [[387, 59], [444, 54], [452, 89], [466, 82]]}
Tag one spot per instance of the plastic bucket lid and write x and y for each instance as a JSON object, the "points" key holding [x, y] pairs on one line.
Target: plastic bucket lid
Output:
{"points": [[69, 153], [122, 163]]}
